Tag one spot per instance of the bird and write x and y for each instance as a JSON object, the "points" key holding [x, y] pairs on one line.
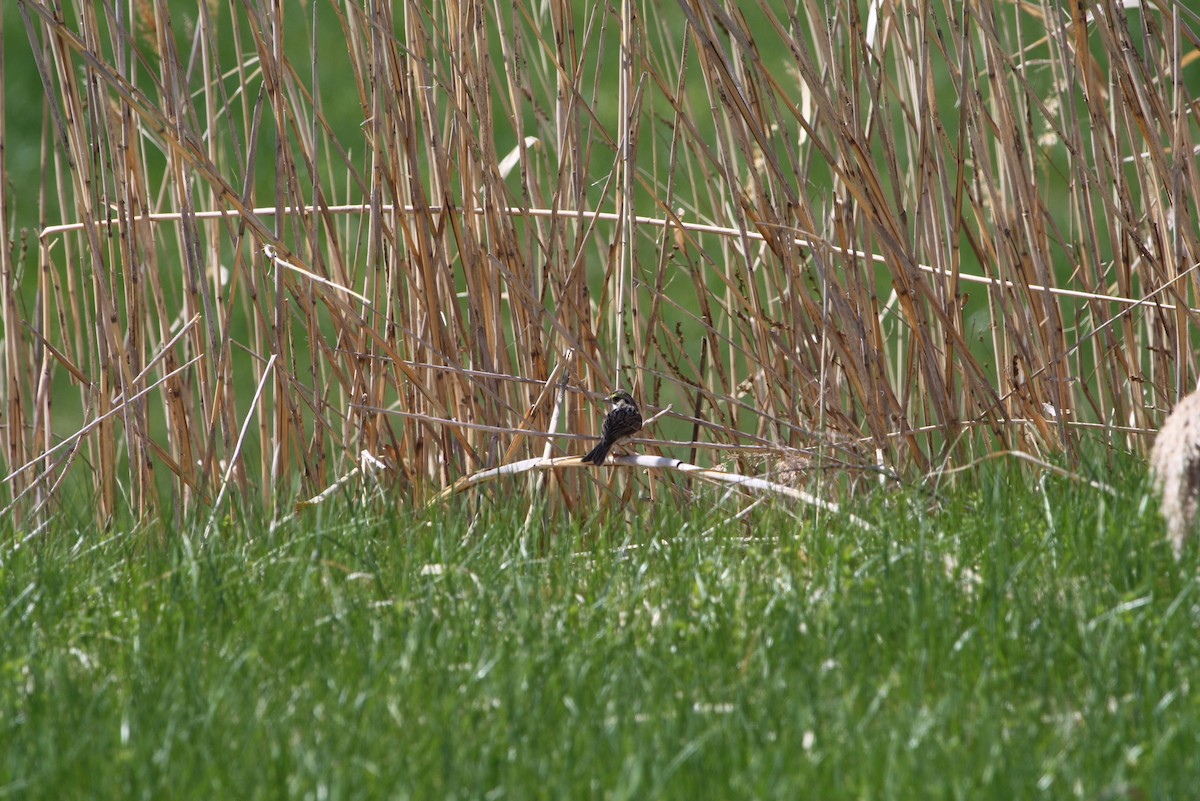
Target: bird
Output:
{"points": [[622, 422]]}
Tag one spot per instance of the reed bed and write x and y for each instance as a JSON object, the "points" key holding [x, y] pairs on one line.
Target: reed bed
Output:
{"points": [[277, 243]]}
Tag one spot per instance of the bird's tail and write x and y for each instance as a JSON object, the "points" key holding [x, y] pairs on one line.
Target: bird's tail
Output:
{"points": [[597, 454]]}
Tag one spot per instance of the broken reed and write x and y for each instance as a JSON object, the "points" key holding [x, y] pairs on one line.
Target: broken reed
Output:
{"points": [[886, 234]]}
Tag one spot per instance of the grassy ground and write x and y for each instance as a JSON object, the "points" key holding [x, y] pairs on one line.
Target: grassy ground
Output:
{"points": [[1023, 641]]}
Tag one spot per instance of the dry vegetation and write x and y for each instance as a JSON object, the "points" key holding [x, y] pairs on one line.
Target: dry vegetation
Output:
{"points": [[893, 235]]}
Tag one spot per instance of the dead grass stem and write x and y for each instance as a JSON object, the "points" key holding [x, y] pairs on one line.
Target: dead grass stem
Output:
{"points": [[904, 235]]}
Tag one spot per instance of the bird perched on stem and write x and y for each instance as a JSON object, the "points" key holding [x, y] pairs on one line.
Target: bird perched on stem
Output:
{"points": [[622, 422]]}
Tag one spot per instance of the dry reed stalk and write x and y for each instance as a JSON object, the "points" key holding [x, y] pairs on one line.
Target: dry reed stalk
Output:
{"points": [[833, 229], [1175, 466]]}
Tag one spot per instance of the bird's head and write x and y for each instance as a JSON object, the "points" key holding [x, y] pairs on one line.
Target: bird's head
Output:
{"points": [[620, 397]]}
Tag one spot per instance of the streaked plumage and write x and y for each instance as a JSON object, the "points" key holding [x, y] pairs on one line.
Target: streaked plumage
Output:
{"points": [[622, 422]]}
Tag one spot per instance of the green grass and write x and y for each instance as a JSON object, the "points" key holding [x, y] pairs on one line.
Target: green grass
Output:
{"points": [[1024, 641]]}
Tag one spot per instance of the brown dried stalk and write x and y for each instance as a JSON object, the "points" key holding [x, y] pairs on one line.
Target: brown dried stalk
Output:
{"points": [[920, 231]]}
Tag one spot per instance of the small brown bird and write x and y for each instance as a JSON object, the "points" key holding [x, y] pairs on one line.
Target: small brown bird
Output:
{"points": [[622, 422]]}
